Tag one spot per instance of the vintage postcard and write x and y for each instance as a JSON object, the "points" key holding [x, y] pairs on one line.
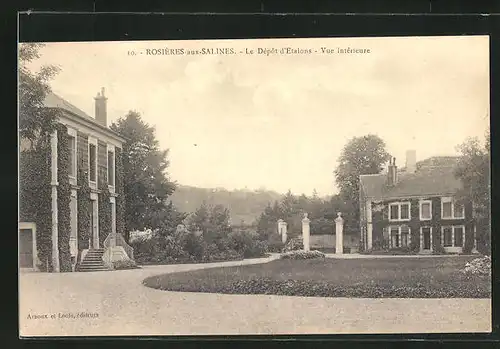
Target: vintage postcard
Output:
{"points": [[246, 187]]}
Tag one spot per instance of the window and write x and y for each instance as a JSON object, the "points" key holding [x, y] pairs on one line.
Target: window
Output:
{"points": [[447, 240], [399, 236], [93, 160], [425, 210], [405, 236], [111, 168], [394, 237], [404, 211], [453, 236], [394, 212], [450, 209], [72, 152], [458, 210], [459, 236], [72, 156], [399, 211]]}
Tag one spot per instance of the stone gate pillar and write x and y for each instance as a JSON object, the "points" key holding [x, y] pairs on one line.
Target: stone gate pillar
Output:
{"points": [[282, 230], [339, 234], [305, 232]]}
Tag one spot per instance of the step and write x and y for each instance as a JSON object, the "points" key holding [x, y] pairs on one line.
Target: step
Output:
{"points": [[91, 263], [90, 270]]}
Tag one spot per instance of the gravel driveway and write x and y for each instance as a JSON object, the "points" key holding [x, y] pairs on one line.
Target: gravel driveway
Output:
{"points": [[116, 303]]}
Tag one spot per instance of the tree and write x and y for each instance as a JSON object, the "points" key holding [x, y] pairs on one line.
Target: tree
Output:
{"points": [[36, 123], [168, 219], [146, 182], [473, 169], [212, 221], [361, 155]]}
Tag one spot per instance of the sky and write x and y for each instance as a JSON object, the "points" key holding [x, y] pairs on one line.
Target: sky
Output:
{"points": [[280, 121]]}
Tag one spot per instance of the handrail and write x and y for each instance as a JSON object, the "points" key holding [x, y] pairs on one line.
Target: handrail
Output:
{"points": [[120, 241]]}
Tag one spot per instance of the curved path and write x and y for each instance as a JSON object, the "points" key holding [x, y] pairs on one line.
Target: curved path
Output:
{"points": [[116, 303]]}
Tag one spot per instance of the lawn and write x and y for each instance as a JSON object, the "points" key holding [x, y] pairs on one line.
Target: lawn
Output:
{"points": [[370, 278]]}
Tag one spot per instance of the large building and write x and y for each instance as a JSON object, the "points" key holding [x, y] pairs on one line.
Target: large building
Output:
{"points": [[416, 208], [94, 149]]}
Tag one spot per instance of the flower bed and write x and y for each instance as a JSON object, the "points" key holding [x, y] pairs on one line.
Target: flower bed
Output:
{"points": [[303, 255], [125, 264], [478, 266]]}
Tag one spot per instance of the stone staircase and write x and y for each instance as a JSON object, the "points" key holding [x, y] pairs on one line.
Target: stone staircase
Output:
{"points": [[93, 261]]}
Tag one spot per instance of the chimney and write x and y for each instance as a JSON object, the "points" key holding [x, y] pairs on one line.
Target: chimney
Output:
{"points": [[101, 114], [392, 172], [411, 161]]}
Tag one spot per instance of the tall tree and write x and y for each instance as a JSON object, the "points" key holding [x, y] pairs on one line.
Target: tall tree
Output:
{"points": [[361, 155], [146, 182], [212, 220], [35, 122], [473, 169]]}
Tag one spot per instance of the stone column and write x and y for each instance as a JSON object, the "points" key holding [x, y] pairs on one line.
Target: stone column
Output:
{"points": [[369, 225], [339, 231], [54, 184], [305, 232]]}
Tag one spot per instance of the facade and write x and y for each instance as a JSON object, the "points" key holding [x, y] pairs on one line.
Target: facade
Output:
{"points": [[415, 208], [93, 149]]}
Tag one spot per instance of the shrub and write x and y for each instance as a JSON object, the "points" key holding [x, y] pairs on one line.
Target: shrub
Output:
{"points": [[294, 244], [438, 249], [193, 245], [303, 255], [478, 266], [247, 244], [274, 243], [124, 264], [400, 250]]}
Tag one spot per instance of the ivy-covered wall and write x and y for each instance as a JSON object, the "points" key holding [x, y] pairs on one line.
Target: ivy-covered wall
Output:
{"points": [[104, 212], [380, 219], [120, 199], [35, 199], [63, 198], [84, 206]]}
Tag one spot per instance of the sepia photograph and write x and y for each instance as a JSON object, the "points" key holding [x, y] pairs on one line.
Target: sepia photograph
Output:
{"points": [[254, 187]]}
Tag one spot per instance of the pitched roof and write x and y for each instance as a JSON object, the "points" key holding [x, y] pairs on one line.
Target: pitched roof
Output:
{"points": [[434, 176], [54, 101]]}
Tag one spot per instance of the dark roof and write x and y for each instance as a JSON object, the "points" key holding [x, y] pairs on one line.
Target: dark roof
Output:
{"points": [[54, 101], [434, 176]]}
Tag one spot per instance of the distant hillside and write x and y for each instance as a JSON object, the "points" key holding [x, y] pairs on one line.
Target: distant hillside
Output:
{"points": [[244, 205]]}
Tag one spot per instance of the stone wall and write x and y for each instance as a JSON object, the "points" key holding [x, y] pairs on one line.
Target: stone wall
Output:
{"points": [[328, 240]]}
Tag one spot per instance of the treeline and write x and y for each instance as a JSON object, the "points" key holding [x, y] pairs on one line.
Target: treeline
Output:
{"points": [[244, 205], [291, 208]]}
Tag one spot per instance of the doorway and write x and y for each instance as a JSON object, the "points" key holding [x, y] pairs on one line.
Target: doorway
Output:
{"points": [[426, 238], [27, 246], [94, 224]]}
